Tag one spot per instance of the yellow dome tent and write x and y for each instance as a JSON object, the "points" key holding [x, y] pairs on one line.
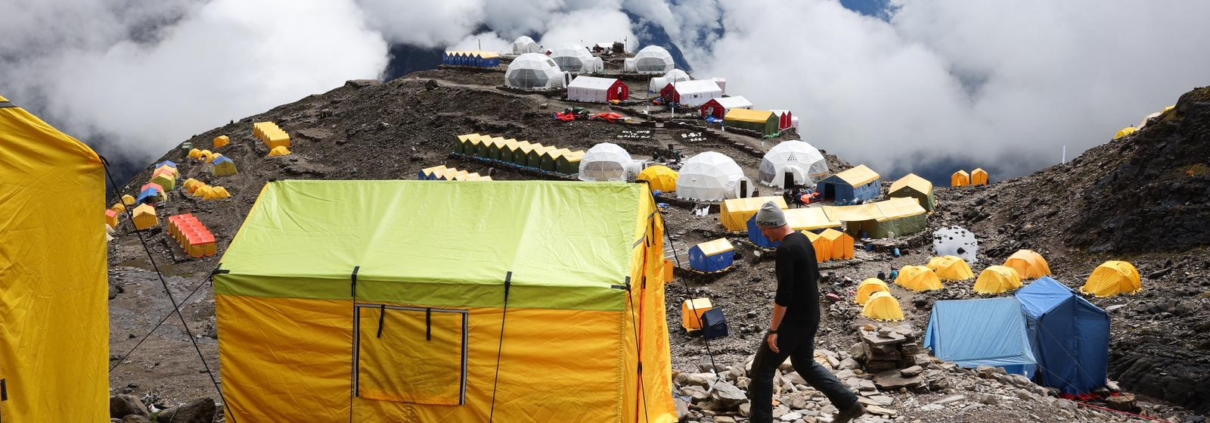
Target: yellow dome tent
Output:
{"points": [[960, 179], [951, 268], [280, 150], [997, 280], [128, 200], [213, 157], [823, 247], [1113, 278], [221, 141], [1028, 264], [195, 154], [918, 278], [978, 177], [191, 185], [144, 217], [1125, 132], [882, 307], [661, 178], [868, 287], [202, 191], [842, 244], [54, 307], [221, 193], [118, 208]]}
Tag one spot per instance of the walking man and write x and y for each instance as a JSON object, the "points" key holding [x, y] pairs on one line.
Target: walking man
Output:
{"points": [[795, 321]]}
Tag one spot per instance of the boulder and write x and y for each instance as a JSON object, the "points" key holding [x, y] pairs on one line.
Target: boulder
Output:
{"points": [[727, 397], [682, 408], [124, 405], [197, 411], [1123, 402], [911, 371]]}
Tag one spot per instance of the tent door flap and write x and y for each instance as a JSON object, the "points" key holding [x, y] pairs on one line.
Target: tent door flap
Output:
{"points": [[410, 354]]}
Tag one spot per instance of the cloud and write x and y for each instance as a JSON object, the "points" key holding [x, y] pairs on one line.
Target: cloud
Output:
{"points": [[587, 27], [424, 23], [1003, 85]]}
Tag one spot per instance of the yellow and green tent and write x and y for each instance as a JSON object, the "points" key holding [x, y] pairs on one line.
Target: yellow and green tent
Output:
{"points": [[336, 304], [54, 303]]}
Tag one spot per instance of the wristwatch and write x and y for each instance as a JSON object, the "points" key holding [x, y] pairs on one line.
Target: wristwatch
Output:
{"points": [[772, 331]]}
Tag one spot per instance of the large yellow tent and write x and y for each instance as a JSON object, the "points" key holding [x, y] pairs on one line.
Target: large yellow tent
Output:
{"points": [[951, 268], [661, 178], [54, 304], [404, 316], [1028, 264], [997, 280], [918, 278], [868, 287], [960, 179], [842, 244], [823, 246], [736, 212], [978, 177], [1113, 278], [809, 219], [883, 307]]}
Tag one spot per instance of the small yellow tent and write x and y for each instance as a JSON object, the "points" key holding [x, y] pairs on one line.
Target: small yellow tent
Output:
{"points": [[118, 208], [736, 212], [220, 193], [951, 268], [842, 244], [1113, 278], [960, 179], [224, 166], [868, 287], [221, 141], [213, 157], [129, 200], [111, 218], [195, 154], [1028, 264], [54, 308], [978, 177], [997, 280], [661, 178], [918, 278], [279, 151], [823, 246], [202, 191], [144, 217], [882, 307], [1125, 132], [164, 179]]}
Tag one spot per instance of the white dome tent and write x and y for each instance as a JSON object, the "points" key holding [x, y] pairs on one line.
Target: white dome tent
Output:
{"points": [[524, 45], [533, 71], [658, 83], [805, 162], [607, 162], [653, 60], [576, 59], [711, 176]]}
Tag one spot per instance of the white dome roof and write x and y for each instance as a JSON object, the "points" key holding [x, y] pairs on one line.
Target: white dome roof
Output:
{"points": [[805, 161], [524, 45], [653, 59], [710, 176], [606, 162], [533, 71], [576, 59], [676, 75]]}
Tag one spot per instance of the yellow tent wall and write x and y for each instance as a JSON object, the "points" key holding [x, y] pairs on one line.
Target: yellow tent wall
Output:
{"points": [[978, 177], [54, 304], [842, 244], [960, 179], [737, 211], [823, 246]]}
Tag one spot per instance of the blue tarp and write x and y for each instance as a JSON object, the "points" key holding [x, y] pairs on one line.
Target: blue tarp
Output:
{"points": [[758, 238], [700, 262], [149, 195], [834, 188], [1069, 336], [989, 332]]}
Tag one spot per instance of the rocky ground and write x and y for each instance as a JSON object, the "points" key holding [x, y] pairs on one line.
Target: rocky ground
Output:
{"points": [[371, 130]]}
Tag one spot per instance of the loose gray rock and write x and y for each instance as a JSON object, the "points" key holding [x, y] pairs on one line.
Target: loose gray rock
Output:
{"points": [[124, 405], [727, 397], [197, 411]]}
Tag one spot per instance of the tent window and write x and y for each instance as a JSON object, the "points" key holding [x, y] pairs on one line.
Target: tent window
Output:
{"points": [[412, 355]]}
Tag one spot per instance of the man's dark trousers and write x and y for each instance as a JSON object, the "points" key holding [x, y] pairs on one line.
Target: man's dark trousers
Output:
{"points": [[802, 356]]}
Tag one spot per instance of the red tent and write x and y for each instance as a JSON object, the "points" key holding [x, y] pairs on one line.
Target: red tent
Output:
{"points": [[619, 91]]}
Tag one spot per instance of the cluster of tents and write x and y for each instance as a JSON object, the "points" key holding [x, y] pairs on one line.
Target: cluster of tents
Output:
{"points": [[478, 59], [1131, 130], [194, 237], [442, 173], [204, 191], [975, 178], [519, 154]]}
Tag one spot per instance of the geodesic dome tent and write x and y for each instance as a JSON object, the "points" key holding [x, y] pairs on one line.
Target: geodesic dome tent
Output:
{"points": [[533, 71], [653, 59], [658, 83], [711, 176], [576, 59], [524, 45], [606, 162], [796, 157]]}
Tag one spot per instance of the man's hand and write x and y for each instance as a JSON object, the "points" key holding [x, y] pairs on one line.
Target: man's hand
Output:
{"points": [[773, 343]]}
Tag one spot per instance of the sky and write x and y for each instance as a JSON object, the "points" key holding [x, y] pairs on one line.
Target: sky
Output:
{"points": [[900, 85]]}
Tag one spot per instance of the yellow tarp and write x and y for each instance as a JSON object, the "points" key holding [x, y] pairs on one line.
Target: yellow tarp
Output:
{"points": [[1028, 264], [918, 279], [858, 176], [750, 116], [1113, 278], [899, 208], [54, 309], [1125, 132], [736, 212], [857, 213], [842, 244], [960, 179], [951, 268], [715, 247], [914, 182], [809, 219], [882, 307], [868, 287], [997, 280], [979, 177], [662, 178]]}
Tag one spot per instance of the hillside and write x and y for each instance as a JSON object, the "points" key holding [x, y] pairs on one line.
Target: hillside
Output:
{"points": [[370, 130]]}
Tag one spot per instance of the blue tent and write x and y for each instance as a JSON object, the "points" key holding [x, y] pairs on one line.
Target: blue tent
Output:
{"points": [[758, 238], [149, 195], [1069, 335], [859, 183], [712, 256], [988, 332], [168, 163]]}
